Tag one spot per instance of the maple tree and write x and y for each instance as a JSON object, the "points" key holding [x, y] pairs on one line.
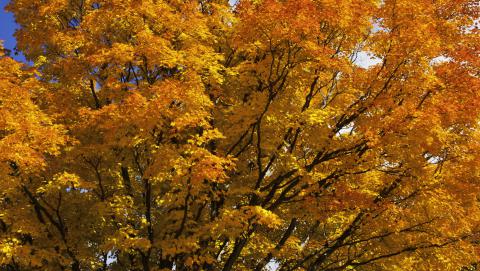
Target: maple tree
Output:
{"points": [[196, 135]]}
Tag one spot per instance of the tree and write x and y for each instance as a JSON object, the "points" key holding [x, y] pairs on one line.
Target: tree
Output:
{"points": [[195, 135]]}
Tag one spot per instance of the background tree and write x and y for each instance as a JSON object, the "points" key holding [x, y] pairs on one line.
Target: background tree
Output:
{"points": [[192, 135]]}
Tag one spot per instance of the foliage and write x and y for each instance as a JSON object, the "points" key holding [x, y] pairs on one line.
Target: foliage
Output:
{"points": [[195, 135]]}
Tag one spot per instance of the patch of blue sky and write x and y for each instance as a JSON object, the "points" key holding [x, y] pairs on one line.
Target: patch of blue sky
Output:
{"points": [[7, 29]]}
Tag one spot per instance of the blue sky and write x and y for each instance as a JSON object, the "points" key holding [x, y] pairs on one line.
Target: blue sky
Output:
{"points": [[7, 28]]}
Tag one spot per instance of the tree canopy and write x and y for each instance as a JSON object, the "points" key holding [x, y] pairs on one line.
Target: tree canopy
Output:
{"points": [[199, 135]]}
